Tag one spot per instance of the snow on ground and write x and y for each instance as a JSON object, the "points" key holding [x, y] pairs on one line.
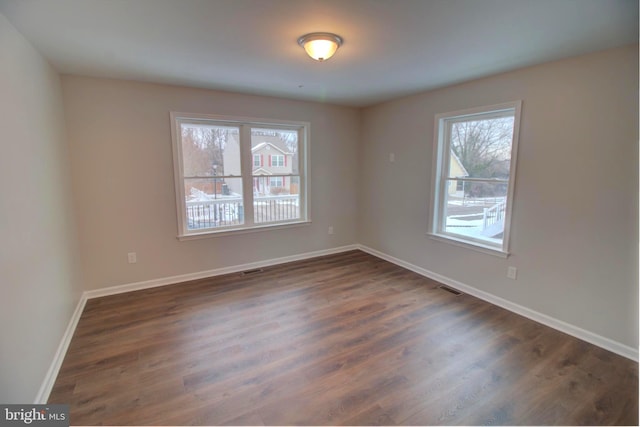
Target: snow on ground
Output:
{"points": [[469, 228]]}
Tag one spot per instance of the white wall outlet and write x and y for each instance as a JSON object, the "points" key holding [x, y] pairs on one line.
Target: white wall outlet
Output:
{"points": [[133, 258], [512, 273], [330, 231], [392, 157]]}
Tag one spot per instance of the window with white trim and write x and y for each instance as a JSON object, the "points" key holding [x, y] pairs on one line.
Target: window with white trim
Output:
{"points": [[277, 160], [276, 181], [473, 176], [222, 179]]}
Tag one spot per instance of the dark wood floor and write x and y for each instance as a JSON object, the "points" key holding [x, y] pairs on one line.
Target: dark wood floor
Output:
{"points": [[342, 339]]}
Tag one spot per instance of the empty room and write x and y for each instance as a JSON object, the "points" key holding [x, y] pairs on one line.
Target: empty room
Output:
{"points": [[319, 212]]}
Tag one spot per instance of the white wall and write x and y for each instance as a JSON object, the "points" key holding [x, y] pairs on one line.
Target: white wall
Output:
{"points": [[122, 168], [575, 218], [39, 282]]}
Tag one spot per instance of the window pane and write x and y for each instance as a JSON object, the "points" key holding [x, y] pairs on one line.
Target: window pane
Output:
{"points": [[209, 150], [216, 158], [477, 210], [276, 198], [480, 148], [275, 151], [213, 202]]}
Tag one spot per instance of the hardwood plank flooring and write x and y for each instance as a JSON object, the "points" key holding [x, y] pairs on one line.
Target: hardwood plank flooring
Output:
{"points": [[346, 339]]}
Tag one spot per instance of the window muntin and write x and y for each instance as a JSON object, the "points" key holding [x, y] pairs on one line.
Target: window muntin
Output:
{"points": [[224, 180], [474, 166]]}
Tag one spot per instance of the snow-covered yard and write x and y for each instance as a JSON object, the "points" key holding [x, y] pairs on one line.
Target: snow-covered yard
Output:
{"points": [[467, 218]]}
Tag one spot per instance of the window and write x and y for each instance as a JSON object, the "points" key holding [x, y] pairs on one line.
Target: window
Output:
{"points": [[277, 160], [276, 181], [223, 181], [473, 175]]}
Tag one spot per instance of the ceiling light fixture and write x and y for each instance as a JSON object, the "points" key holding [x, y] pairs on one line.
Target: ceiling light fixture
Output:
{"points": [[320, 46]]}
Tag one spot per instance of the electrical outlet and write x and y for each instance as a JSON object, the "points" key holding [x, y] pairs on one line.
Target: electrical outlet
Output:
{"points": [[330, 231], [512, 273], [132, 257], [392, 157]]}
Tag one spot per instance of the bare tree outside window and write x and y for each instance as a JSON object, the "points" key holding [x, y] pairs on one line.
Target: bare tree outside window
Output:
{"points": [[484, 149], [472, 190], [203, 149]]}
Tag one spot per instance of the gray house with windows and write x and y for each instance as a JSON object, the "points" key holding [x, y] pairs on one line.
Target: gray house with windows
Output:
{"points": [[272, 163]]}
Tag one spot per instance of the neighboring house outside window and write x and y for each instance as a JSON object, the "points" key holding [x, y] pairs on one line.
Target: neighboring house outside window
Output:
{"points": [[276, 181], [212, 192], [473, 176], [278, 165], [277, 160]]}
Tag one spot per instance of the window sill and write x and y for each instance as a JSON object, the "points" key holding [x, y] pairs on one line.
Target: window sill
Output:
{"points": [[469, 245], [235, 231]]}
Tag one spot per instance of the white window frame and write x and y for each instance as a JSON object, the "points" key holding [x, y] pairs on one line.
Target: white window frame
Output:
{"points": [[280, 161], [247, 165], [256, 157], [441, 158], [278, 178]]}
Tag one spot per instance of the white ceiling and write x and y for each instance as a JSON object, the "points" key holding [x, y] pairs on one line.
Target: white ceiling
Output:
{"points": [[391, 47]]}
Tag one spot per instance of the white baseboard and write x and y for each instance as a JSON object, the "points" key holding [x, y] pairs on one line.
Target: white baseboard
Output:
{"points": [[54, 368], [154, 283], [52, 373], [567, 328]]}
